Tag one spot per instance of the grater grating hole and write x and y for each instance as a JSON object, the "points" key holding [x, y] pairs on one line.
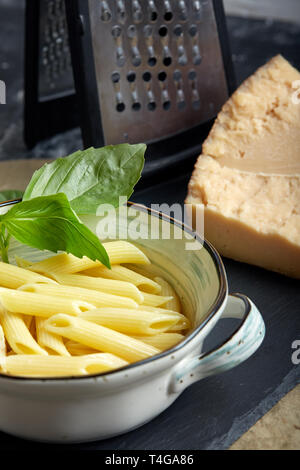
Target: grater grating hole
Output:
{"points": [[168, 16], [136, 60], [152, 61], [167, 105], [151, 106], [177, 75], [146, 76], [163, 31], [192, 75], [115, 77], [136, 106], [120, 107], [162, 76], [131, 77], [116, 31], [178, 30], [153, 16], [167, 61], [193, 30]]}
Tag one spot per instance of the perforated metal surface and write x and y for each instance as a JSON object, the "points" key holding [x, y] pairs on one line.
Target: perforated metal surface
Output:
{"points": [[159, 66], [55, 66]]}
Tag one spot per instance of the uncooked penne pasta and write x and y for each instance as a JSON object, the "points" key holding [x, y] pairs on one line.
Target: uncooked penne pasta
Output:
{"points": [[162, 341], [2, 342], [96, 299], [167, 290], [13, 277], [154, 300], [118, 252], [99, 337], [131, 321], [52, 343], [57, 366], [120, 288], [18, 335], [40, 305], [124, 274]]}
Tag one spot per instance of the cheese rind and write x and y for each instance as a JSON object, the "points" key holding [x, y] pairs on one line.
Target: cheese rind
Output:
{"points": [[250, 191]]}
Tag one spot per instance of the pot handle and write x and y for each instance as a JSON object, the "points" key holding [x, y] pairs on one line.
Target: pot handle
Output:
{"points": [[235, 350]]}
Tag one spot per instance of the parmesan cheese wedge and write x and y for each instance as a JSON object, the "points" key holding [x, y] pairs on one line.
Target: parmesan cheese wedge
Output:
{"points": [[248, 178]]}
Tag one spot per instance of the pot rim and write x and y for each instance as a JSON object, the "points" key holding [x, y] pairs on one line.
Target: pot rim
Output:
{"points": [[221, 296]]}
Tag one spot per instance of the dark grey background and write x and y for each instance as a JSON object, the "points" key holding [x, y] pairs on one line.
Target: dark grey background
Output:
{"points": [[212, 413]]}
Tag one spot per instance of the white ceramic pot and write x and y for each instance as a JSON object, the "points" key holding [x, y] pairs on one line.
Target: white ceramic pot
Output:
{"points": [[104, 405]]}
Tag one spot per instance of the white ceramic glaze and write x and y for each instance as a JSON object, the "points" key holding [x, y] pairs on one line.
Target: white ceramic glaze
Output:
{"points": [[104, 405]]}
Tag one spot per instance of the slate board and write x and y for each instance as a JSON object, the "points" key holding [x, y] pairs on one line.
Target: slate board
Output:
{"points": [[216, 411]]}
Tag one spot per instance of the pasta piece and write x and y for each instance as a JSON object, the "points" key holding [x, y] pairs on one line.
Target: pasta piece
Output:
{"points": [[133, 321], [77, 349], [154, 300], [52, 343], [167, 290], [162, 341], [18, 335], [124, 274], [2, 342], [118, 252], [109, 286], [99, 337], [22, 263], [40, 305], [59, 366], [96, 299], [14, 277], [183, 324]]}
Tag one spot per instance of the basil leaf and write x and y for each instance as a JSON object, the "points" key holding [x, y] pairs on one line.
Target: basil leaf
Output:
{"points": [[91, 177], [10, 195], [49, 223]]}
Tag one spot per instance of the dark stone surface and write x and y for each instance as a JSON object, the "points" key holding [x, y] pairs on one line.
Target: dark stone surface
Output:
{"points": [[213, 413]]}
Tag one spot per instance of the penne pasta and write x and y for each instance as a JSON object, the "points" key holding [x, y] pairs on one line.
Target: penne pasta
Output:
{"points": [[69, 317], [153, 300], [120, 288], [57, 366], [2, 342], [18, 335], [40, 305], [124, 274], [118, 252], [96, 299], [162, 341], [52, 343], [14, 277], [183, 323], [133, 321], [168, 291], [22, 263], [99, 337], [77, 349]]}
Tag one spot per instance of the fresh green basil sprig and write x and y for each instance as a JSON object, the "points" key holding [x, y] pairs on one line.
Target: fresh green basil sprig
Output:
{"points": [[60, 191]]}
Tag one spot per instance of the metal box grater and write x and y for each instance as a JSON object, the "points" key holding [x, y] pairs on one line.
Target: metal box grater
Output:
{"points": [[158, 65], [154, 71]]}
